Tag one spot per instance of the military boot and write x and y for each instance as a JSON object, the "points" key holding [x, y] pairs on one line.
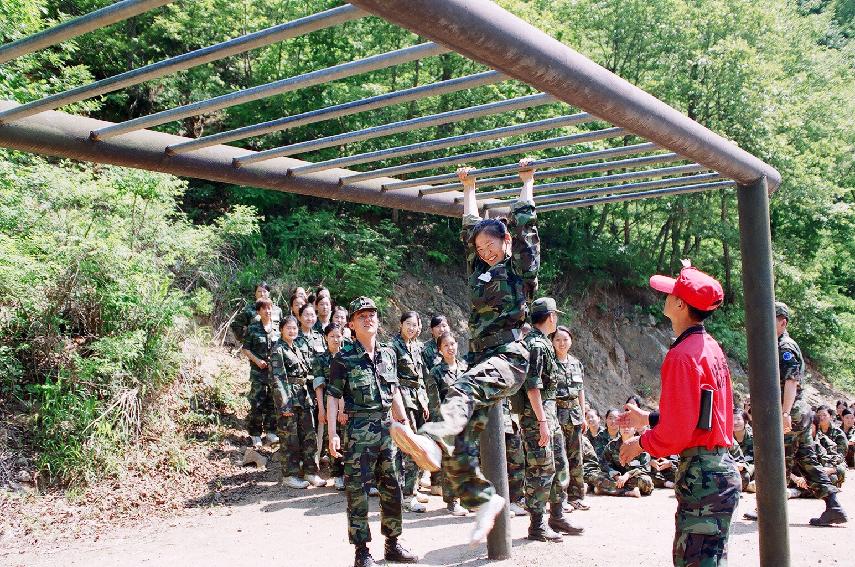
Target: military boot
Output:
{"points": [[363, 557], [833, 513], [539, 530], [396, 553], [559, 522]]}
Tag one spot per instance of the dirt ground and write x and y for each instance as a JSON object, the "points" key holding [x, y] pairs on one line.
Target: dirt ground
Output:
{"points": [[307, 528]]}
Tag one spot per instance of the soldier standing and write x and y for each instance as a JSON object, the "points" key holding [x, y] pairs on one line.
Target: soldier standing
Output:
{"points": [[364, 375], [707, 484], [571, 401], [321, 371], [260, 337], [619, 479], [430, 351], [543, 440], [246, 316], [502, 271]]}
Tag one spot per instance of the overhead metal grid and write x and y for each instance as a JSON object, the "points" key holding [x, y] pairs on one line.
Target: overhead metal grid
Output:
{"points": [[617, 120]]}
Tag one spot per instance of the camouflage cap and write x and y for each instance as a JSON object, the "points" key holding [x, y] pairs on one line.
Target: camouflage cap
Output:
{"points": [[544, 305], [781, 310], [361, 304]]}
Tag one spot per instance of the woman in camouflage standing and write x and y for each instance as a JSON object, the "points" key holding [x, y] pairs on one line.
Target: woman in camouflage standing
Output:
{"points": [[503, 262]]}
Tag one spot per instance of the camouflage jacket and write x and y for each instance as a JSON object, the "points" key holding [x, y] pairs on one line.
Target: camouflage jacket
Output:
{"points": [[600, 440], [366, 386], [791, 362], [430, 355], [499, 294], [411, 373], [542, 367], [569, 376], [747, 444], [247, 315], [837, 438], [738, 457], [260, 343], [442, 377], [590, 461], [826, 451], [321, 369], [293, 377], [610, 460], [312, 344]]}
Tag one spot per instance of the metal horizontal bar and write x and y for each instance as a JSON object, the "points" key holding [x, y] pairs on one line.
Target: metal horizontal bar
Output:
{"points": [[636, 196], [670, 182], [402, 126], [560, 172], [452, 141], [485, 32], [458, 159], [60, 134], [78, 26], [590, 181], [187, 60], [334, 73], [344, 109], [514, 167]]}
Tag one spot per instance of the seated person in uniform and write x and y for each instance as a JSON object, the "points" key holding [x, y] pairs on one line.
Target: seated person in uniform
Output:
{"points": [[609, 432], [849, 431], [829, 459], [746, 470], [663, 470], [633, 479]]}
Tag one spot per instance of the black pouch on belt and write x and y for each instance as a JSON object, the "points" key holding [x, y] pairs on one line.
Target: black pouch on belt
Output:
{"points": [[705, 416]]}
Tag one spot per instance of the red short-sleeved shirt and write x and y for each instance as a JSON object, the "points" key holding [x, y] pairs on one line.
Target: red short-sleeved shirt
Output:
{"points": [[695, 360]]}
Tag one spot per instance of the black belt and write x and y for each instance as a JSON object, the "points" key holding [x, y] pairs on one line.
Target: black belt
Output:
{"points": [[695, 451], [500, 338]]}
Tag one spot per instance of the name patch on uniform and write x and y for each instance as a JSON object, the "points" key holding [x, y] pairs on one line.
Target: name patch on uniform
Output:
{"points": [[788, 356], [485, 277]]}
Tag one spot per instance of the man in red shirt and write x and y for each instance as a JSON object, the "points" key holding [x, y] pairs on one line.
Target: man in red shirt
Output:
{"points": [[695, 419]]}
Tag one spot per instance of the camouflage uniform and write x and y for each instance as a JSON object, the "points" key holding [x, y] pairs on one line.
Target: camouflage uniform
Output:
{"points": [[747, 472], [707, 488], [369, 453], [292, 393], [850, 452], [321, 372], [262, 415], [638, 469], [747, 444], [546, 467], [667, 475], [411, 383], [247, 315], [829, 457], [497, 359], [600, 440], [590, 463], [514, 453], [799, 446], [430, 354], [442, 377], [313, 345], [836, 435], [571, 417]]}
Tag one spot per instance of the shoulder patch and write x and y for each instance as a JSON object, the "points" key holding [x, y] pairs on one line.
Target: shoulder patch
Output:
{"points": [[787, 356]]}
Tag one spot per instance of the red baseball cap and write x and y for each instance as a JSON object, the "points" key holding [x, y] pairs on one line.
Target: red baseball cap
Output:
{"points": [[696, 288]]}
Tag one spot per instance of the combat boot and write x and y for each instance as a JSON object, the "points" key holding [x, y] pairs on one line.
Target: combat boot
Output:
{"points": [[833, 513], [363, 557], [396, 553], [559, 522], [539, 530]]}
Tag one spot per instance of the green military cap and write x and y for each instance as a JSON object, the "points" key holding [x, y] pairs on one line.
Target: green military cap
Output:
{"points": [[781, 310], [361, 304], [544, 305]]}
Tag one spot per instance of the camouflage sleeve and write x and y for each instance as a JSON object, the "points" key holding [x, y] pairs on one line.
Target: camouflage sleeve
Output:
{"points": [[536, 365], [239, 325], [643, 466], [791, 366], [607, 461], [319, 371], [736, 453], [840, 441], [337, 377], [526, 244], [472, 260]]}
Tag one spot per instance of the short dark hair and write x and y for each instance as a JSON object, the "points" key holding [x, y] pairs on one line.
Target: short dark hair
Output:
{"points": [[294, 297], [306, 306], [841, 403], [564, 329], [339, 308], [634, 399], [595, 410], [437, 320], [497, 228], [443, 338], [289, 319], [331, 327], [538, 318], [826, 408], [264, 285], [262, 303], [409, 315], [847, 411], [698, 315], [610, 411]]}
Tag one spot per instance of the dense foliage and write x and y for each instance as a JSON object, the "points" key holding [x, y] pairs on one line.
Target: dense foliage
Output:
{"points": [[98, 264]]}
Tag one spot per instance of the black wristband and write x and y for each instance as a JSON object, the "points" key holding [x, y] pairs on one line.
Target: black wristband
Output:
{"points": [[653, 418]]}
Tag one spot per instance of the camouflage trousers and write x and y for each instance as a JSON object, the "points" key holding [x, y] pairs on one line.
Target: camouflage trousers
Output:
{"points": [[707, 489], [298, 441], [463, 416], [573, 447], [661, 477], [409, 472], [370, 458], [515, 455], [262, 414], [546, 474], [606, 485], [799, 450]]}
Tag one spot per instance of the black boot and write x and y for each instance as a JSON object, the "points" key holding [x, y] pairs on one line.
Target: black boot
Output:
{"points": [[559, 522], [833, 513], [395, 552], [539, 530], [363, 557]]}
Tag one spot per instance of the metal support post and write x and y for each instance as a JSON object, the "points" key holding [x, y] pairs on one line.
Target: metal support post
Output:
{"points": [[758, 284], [494, 463]]}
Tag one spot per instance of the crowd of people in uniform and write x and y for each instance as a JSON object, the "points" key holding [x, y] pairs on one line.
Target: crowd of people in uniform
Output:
{"points": [[401, 420]]}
